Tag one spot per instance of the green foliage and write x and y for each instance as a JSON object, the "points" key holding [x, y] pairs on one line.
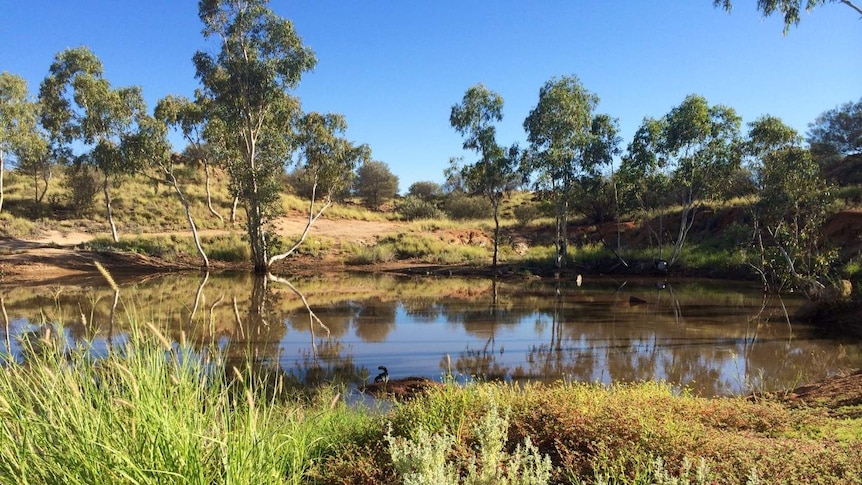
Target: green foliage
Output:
{"points": [[793, 206], [422, 459], [688, 156], [837, 133], [432, 249], [164, 247], [19, 132], [412, 208], [79, 105], [461, 207], [155, 413], [231, 248], [15, 227], [567, 141], [425, 190], [789, 9], [375, 184], [250, 110], [526, 213], [364, 255]]}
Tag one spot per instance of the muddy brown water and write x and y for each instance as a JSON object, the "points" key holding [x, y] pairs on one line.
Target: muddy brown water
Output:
{"points": [[711, 337]]}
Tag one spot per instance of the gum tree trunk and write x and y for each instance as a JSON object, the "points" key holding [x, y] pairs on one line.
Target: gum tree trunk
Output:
{"points": [[114, 234]]}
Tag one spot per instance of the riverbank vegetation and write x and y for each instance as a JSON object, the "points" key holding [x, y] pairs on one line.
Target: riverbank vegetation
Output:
{"points": [[151, 411], [250, 140]]}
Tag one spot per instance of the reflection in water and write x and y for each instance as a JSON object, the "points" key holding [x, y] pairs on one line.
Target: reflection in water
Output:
{"points": [[715, 338]]}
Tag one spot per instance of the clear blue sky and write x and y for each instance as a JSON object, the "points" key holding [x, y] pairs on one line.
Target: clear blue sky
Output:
{"points": [[395, 69]]}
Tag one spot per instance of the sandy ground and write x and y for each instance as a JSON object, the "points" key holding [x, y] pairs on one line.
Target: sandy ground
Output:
{"points": [[54, 254]]}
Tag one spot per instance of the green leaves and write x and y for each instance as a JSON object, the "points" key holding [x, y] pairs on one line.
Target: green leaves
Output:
{"points": [[838, 131], [251, 114], [325, 156], [78, 104], [18, 116], [789, 9], [695, 148], [560, 130]]}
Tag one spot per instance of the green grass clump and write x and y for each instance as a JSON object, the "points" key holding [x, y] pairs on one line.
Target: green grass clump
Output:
{"points": [[156, 246], [432, 249], [358, 255], [155, 412], [231, 248], [15, 227]]}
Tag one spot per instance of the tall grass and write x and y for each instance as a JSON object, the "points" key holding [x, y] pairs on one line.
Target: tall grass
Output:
{"points": [[153, 412]]}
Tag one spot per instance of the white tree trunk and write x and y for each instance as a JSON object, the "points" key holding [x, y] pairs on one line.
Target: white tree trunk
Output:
{"points": [[114, 234], [189, 217], [209, 195], [233, 210]]}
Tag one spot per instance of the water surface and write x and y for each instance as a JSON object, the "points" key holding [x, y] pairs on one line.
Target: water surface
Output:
{"points": [[715, 338]]}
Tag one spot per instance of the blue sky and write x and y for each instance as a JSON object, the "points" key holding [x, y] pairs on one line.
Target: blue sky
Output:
{"points": [[395, 69]]}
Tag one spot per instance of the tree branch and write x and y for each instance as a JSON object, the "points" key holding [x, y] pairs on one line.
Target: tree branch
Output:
{"points": [[851, 5]]}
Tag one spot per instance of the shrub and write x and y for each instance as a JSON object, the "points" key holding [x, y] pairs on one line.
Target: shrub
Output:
{"points": [[302, 185], [231, 248], [157, 247], [461, 207], [423, 459], [413, 208], [83, 187], [525, 213], [11, 226], [375, 184], [362, 255], [425, 190]]}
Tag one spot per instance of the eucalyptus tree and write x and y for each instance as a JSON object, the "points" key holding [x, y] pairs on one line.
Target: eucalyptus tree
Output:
{"points": [[567, 141], [789, 9], [493, 175], [190, 117], [837, 133], [792, 207], [690, 155], [260, 58], [328, 160], [375, 184], [766, 135], [19, 133], [36, 159], [150, 149], [80, 106]]}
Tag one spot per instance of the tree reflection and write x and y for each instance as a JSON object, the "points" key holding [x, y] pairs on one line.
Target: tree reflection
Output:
{"points": [[484, 323], [375, 319], [685, 333]]}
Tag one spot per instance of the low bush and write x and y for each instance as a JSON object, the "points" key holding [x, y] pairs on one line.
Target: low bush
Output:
{"points": [[15, 227], [231, 248], [412, 208], [156, 246], [462, 207], [364, 255], [526, 213]]}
